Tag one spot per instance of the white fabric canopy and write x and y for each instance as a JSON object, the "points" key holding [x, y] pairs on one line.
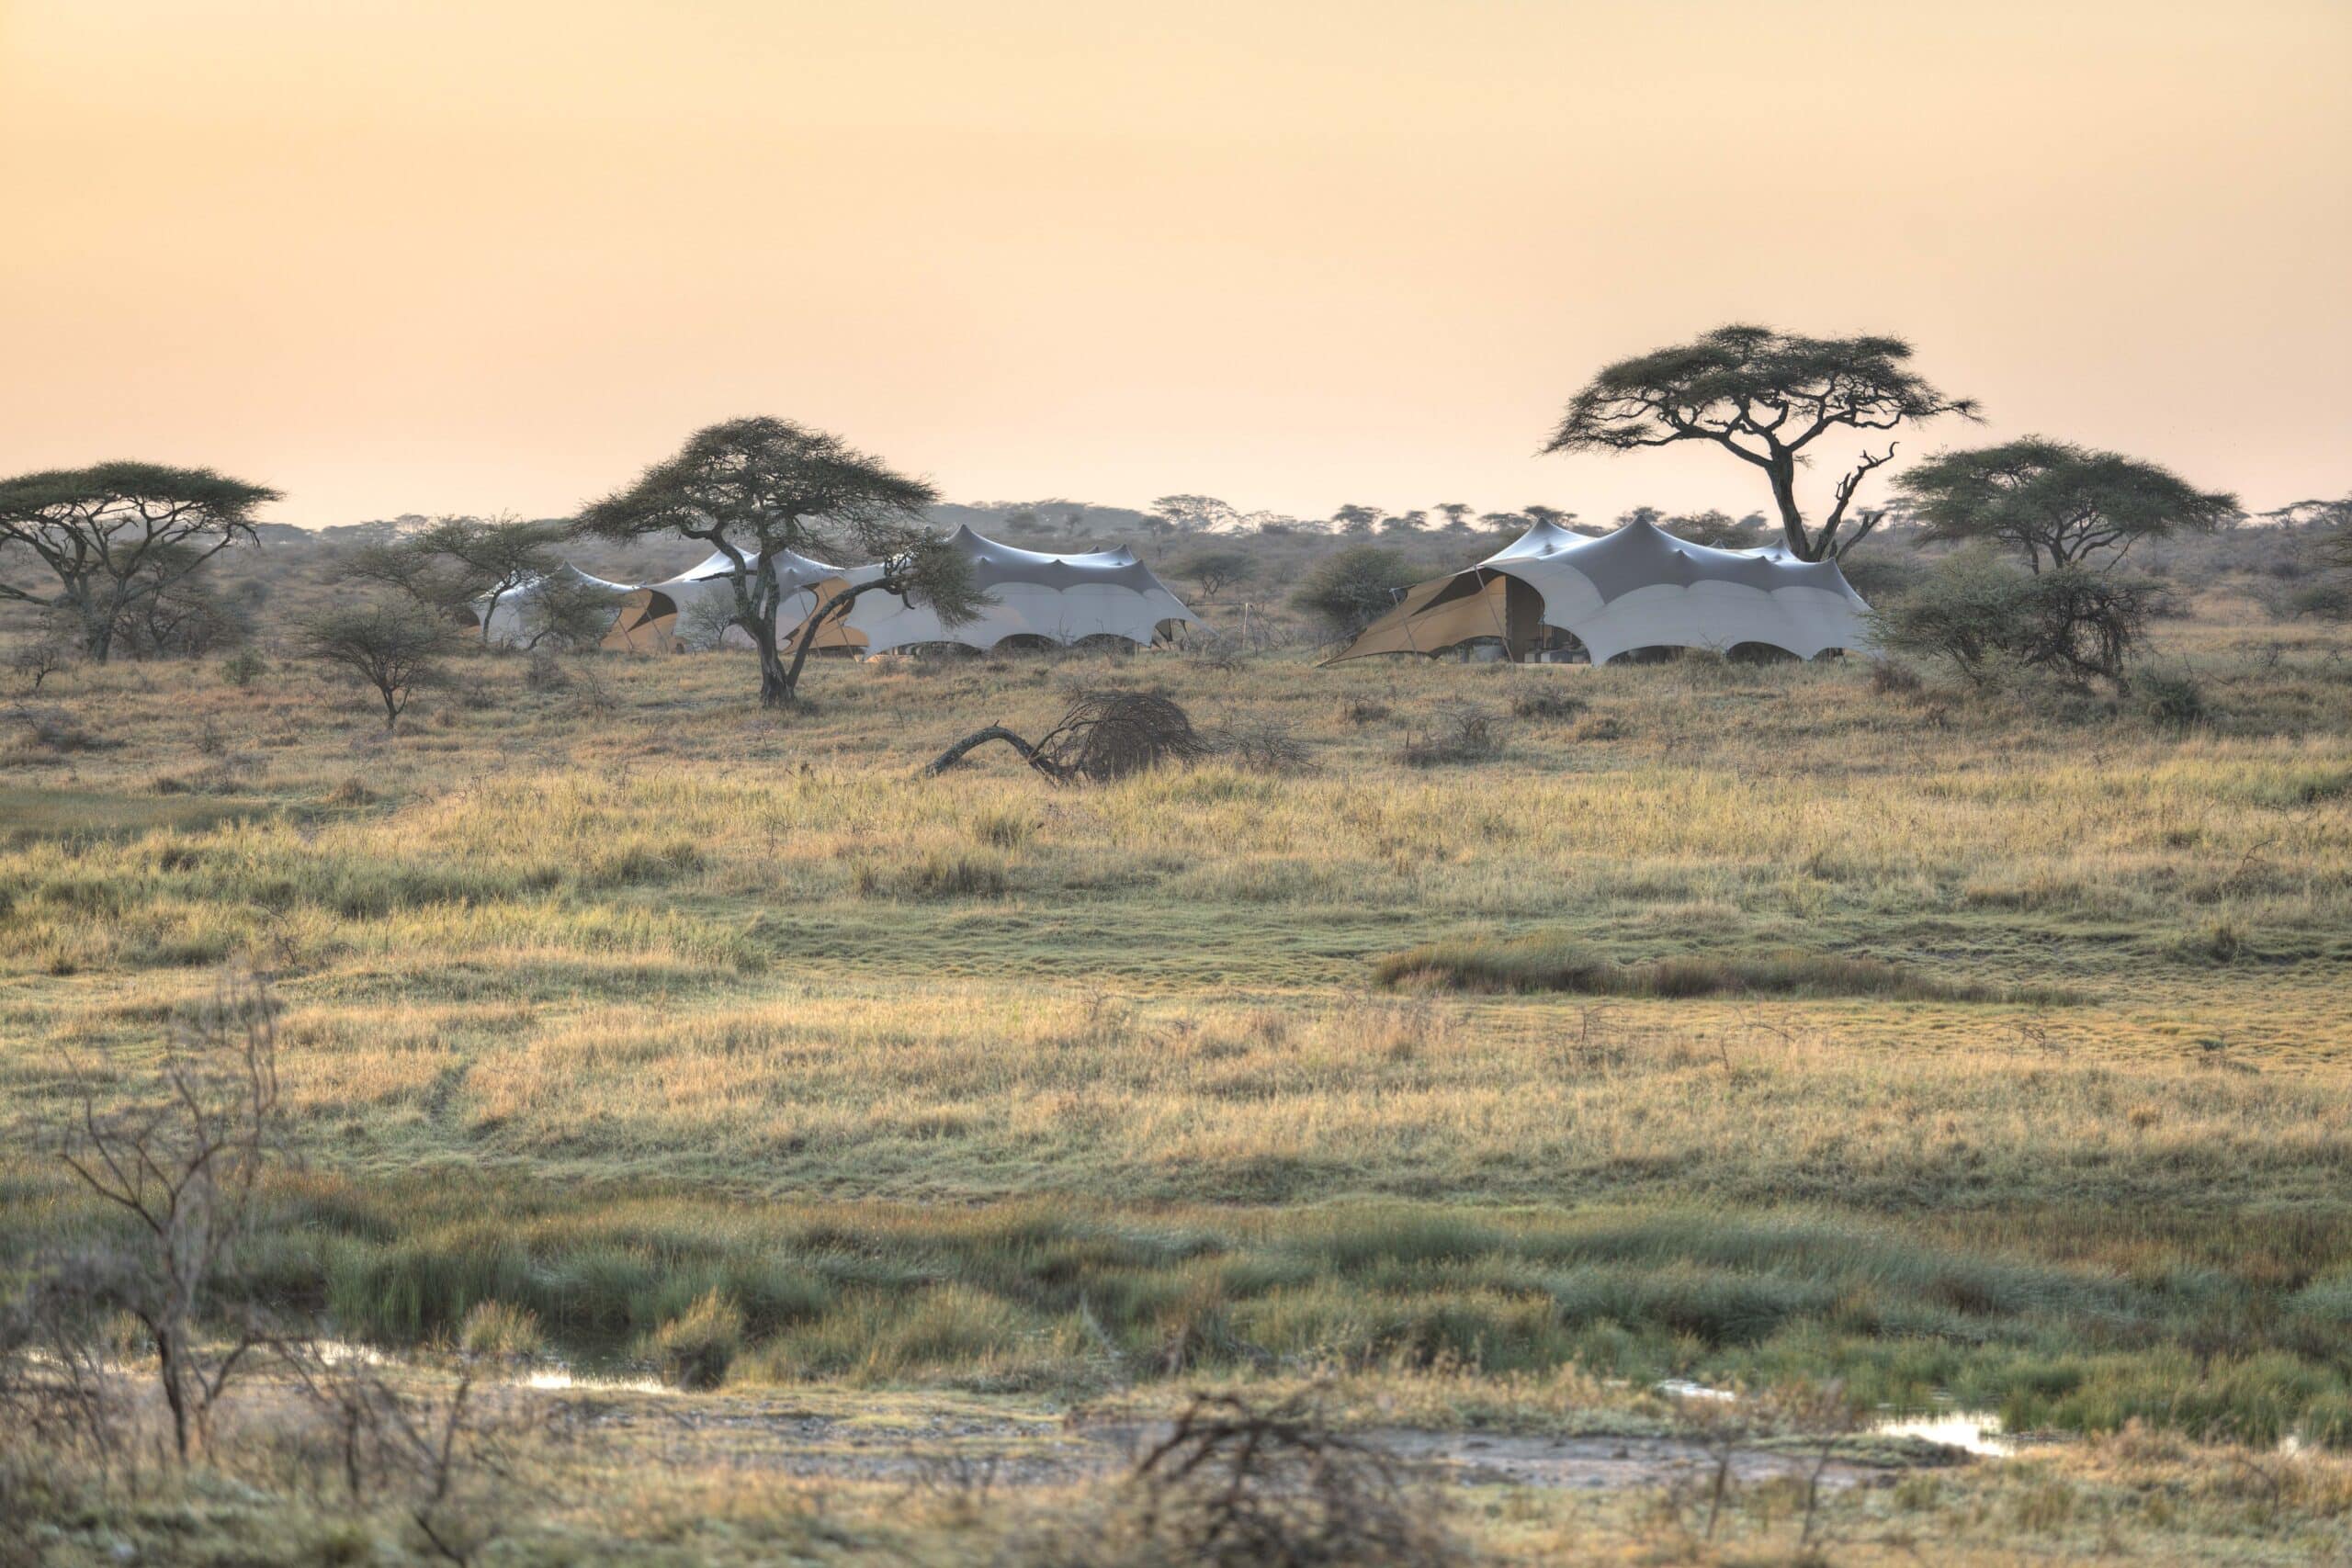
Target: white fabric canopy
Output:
{"points": [[1641, 587], [1060, 598], [509, 620], [797, 575]]}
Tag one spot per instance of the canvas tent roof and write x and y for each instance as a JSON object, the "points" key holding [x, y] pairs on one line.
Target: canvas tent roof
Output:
{"points": [[1060, 598], [1637, 587], [649, 617], [509, 621]]}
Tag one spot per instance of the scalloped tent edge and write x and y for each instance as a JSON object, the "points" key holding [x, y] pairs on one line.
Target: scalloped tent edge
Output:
{"points": [[1635, 587], [1061, 599]]}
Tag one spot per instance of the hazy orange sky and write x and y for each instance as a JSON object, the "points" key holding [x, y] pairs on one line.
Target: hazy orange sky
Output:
{"points": [[434, 256]]}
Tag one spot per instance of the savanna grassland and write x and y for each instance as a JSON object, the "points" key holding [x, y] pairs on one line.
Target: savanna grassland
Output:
{"points": [[1753, 1025]]}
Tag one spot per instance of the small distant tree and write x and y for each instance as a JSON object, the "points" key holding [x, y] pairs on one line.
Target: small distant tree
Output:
{"points": [[394, 645], [1354, 587], [1456, 514], [1194, 513], [1216, 570], [2054, 503], [1765, 397], [1982, 613], [1354, 518], [753, 489], [49, 648], [1716, 530], [389, 563], [117, 534], [565, 612], [463, 567], [495, 556]]}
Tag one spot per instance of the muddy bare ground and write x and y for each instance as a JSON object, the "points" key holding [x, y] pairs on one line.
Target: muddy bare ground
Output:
{"points": [[968, 1450]]}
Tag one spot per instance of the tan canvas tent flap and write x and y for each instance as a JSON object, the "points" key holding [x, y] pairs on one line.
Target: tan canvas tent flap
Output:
{"points": [[1638, 587]]}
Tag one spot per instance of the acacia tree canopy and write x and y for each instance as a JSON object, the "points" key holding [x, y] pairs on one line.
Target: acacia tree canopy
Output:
{"points": [[1765, 397], [1354, 587], [2056, 501], [1216, 570], [754, 487], [116, 533]]}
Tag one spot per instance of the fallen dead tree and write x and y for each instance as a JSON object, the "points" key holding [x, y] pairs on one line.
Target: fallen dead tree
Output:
{"points": [[1103, 735]]}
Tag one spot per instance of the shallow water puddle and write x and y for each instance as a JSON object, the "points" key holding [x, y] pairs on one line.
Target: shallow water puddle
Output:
{"points": [[1977, 1431]]}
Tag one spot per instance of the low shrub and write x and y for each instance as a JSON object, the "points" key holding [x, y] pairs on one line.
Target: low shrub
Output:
{"points": [[1547, 703], [2172, 702], [1981, 613], [1461, 732], [1263, 748], [243, 667], [1890, 678]]}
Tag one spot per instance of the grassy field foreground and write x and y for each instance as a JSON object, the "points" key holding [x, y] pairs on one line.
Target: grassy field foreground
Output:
{"points": [[1741, 1024]]}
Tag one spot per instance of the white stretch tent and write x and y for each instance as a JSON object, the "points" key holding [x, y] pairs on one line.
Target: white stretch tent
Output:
{"points": [[509, 621], [1060, 598], [649, 615], [1638, 587]]}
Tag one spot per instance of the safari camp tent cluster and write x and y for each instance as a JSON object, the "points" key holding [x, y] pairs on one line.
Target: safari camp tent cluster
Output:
{"points": [[1030, 597], [1554, 592]]}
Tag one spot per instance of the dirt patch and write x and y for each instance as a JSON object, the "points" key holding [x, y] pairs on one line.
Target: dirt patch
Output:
{"points": [[750, 1433]]}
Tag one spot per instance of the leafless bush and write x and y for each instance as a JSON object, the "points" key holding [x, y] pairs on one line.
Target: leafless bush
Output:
{"points": [[704, 623], [1263, 747], [39, 657], [545, 671], [1890, 678], [1104, 735], [62, 1383], [1241, 1484], [182, 1156], [1459, 732], [440, 1459]]}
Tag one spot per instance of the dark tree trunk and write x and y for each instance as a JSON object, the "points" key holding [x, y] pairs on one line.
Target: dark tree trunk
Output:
{"points": [[1783, 471], [776, 683], [170, 1372], [805, 639], [978, 738]]}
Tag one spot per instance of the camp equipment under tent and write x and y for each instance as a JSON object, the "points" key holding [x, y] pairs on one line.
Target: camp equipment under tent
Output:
{"points": [[1638, 587], [1058, 599]]}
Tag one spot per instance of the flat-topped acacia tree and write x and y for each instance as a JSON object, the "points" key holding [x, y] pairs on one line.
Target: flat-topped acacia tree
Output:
{"points": [[753, 487], [116, 534], [2056, 501], [1765, 397]]}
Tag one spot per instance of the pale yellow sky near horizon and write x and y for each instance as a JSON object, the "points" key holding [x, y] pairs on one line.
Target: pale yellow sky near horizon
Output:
{"points": [[435, 256]]}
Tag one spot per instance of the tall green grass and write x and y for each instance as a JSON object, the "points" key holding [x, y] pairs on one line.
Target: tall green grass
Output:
{"points": [[1071, 1298]]}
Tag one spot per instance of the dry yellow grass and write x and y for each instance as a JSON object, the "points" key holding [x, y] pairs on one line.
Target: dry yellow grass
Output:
{"points": [[648, 979]]}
